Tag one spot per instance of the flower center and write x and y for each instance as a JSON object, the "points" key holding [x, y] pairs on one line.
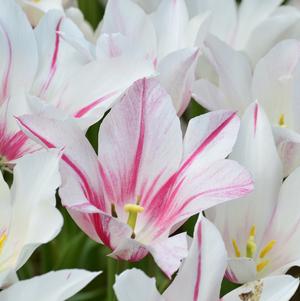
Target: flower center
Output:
{"points": [[133, 210], [251, 249]]}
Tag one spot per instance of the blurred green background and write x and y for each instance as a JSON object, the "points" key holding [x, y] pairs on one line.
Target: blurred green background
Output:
{"points": [[73, 249]]}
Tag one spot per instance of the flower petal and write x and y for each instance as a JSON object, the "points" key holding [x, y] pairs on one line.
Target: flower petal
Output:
{"points": [[135, 285], [202, 272], [169, 253], [35, 220], [236, 84], [273, 82], [241, 270], [278, 288], [176, 74], [59, 285], [255, 149], [170, 21], [141, 145]]}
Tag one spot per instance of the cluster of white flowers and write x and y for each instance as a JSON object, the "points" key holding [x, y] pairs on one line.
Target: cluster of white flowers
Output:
{"points": [[236, 166]]}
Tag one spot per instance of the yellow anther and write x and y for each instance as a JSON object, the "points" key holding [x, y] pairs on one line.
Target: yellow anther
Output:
{"points": [[252, 231], [236, 248], [267, 249], [133, 211], [281, 121], [262, 265], [3, 238], [251, 245]]}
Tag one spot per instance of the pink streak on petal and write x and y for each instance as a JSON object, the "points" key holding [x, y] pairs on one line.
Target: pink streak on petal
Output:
{"points": [[53, 66], [140, 145], [206, 142], [199, 262], [83, 111], [90, 194]]}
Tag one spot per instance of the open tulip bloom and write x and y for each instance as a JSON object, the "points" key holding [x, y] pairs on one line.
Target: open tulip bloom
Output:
{"points": [[28, 214], [146, 180], [40, 70], [200, 277], [261, 232], [273, 82], [168, 36]]}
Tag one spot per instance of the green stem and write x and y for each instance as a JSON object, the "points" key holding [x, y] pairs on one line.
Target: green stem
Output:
{"points": [[111, 271]]}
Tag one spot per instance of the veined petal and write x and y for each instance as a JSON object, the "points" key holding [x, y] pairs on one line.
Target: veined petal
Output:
{"points": [[140, 145], [255, 149], [210, 137], [18, 52], [177, 74], [58, 60], [202, 272], [135, 285], [99, 84], [52, 286], [80, 160], [276, 288]]}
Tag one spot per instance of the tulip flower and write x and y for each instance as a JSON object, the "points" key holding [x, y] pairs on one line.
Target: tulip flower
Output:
{"points": [[146, 181], [252, 27], [261, 231], [274, 83], [28, 214], [39, 63], [200, 277], [168, 36], [53, 286]]}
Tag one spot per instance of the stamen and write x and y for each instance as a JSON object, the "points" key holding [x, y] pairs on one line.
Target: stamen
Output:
{"points": [[236, 248], [133, 211], [281, 121], [262, 265], [3, 238], [251, 245], [113, 210], [267, 249], [253, 231]]}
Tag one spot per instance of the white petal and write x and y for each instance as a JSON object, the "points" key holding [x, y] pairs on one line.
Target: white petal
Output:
{"points": [[135, 285], [279, 288], [202, 272], [53, 286]]}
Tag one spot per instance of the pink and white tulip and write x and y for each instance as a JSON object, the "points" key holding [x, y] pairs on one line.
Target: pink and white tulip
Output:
{"points": [[53, 286], [261, 232], [40, 69], [28, 214], [146, 180], [200, 277], [168, 36]]}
